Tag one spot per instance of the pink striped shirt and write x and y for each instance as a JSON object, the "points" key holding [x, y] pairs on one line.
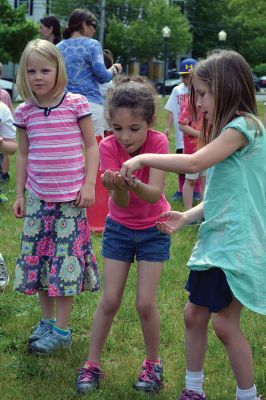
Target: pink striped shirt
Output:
{"points": [[56, 164]]}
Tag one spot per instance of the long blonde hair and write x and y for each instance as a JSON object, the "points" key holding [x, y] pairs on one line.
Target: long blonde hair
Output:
{"points": [[45, 49], [229, 79]]}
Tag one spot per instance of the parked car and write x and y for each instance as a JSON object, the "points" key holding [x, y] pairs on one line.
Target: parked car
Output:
{"points": [[256, 82], [11, 88], [172, 81], [263, 82]]}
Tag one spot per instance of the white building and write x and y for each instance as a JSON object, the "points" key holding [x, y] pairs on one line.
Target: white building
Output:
{"points": [[36, 9]]}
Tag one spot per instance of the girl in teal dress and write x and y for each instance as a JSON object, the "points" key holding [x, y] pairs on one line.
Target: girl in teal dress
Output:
{"points": [[227, 265]]}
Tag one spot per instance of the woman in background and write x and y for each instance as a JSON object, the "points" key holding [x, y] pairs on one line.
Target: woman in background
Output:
{"points": [[50, 29], [84, 62]]}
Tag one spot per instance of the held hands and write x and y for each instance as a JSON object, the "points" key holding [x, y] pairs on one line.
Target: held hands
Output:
{"points": [[86, 196], [130, 166], [113, 180], [171, 221]]}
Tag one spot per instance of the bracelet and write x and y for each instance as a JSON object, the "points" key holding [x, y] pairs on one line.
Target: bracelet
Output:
{"points": [[19, 195]]}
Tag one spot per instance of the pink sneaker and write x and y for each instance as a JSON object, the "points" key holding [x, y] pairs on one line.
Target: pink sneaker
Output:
{"points": [[191, 395]]}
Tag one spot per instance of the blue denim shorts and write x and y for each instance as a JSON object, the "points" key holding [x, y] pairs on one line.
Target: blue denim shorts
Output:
{"points": [[124, 244]]}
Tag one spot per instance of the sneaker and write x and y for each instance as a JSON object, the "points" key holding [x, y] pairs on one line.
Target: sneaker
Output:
{"points": [[150, 378], [50, 342], [177, 196], [196, 196], [4, 275], [191, 395], [88, 379], [3, 198], [5, 177], [40, 330]]}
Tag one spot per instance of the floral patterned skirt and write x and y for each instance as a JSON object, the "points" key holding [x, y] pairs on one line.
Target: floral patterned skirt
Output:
{"points": [[56, 252]]}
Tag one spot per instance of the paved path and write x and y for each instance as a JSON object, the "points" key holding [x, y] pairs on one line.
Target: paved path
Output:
{"points": [[261, 96]]}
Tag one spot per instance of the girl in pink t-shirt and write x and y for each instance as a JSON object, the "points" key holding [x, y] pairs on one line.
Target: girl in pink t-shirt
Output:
{"points": [[56, 259], [130, 232], [190, 125]]}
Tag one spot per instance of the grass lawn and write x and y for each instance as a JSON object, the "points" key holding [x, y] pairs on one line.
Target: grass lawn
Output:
{"points": [[28, 377]]}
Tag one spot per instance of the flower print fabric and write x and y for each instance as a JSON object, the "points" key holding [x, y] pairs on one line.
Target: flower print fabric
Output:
{"points": [[56, 251], [85, 67]]}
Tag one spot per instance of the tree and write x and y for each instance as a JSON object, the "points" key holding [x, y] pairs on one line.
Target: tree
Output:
{"points": [[134, 27], [15, 32], [207, 18], [243, 20], [248, 27]]}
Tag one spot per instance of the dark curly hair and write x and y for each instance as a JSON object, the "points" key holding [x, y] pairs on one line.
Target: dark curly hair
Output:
{"points": [[135, 93]]}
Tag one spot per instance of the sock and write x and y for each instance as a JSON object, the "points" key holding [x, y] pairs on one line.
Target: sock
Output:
{"points": [[52, 321], [194, 381], [60, 331], [246, 394], [89, 363]]}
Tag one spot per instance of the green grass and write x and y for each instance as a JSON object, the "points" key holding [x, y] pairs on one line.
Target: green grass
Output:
{"points": [[25, 376]]}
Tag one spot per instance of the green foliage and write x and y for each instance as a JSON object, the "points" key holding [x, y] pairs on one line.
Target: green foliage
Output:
{"points": [[206, 19], [243, 20], [248, 26], [260, 69], [134, 28], [15, 32]]}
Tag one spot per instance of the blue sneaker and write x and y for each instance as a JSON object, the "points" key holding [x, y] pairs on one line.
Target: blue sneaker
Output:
{"points": [[196, 196], [88, 379], [177, 196], [4, 275], [3, 198], [41, 329], [50, 342], [150, 378]]}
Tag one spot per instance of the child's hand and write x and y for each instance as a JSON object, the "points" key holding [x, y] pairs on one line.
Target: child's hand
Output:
{"points": [[130, 166], [18, 207], [86, 196], [171, 222], [113, 180]]}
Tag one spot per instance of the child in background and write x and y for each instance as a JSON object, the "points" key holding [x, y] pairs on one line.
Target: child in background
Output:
{"points": [[108, 62], [104, 87], [4, 158], [134, 207], [190, 125], [8, 145], [226, 274], [173, 105], [56, 259]]}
